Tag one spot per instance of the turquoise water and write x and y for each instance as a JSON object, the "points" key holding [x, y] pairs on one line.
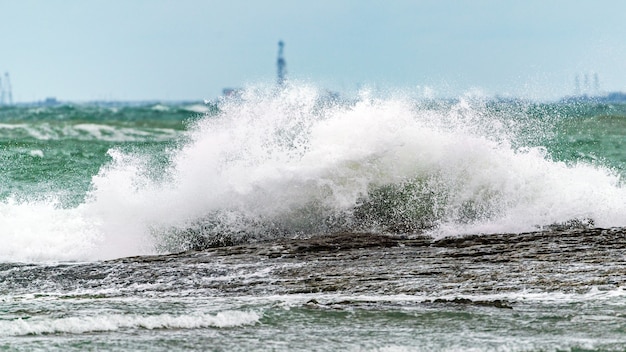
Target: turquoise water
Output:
{"points": [[52, 150], [384, 328], [80, 183]]}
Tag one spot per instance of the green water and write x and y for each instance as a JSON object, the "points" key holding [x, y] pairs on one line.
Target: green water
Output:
{"points": [[48, 151], [593, 133]]}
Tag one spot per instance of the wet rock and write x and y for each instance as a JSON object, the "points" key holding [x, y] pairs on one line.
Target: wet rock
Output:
{"points": [[498, 303], [571, 260]]}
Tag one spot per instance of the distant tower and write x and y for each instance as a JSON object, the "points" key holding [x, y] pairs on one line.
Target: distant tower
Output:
{"points": [[6, 92], [596, 84], [281, 64], [577, 85]]}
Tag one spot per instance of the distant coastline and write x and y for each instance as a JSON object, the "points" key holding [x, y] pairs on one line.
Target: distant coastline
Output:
{"points": [[53, 102], [609, 98], [616, 97]]}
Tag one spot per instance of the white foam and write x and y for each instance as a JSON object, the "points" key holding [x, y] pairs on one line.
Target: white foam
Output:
{"points": [[41, 131], [87, 132], [38, 153], [272, 155], [160, 107], [91, 131], [289, 159], [197, 108], [115, 322], [42, 231]]}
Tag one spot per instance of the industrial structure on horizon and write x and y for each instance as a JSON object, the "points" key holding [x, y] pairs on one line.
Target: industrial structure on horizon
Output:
{"points": [[6, 94], [281, 66], [588, 89]]}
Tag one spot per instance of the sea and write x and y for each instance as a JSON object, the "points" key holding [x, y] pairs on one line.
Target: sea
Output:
{"points": [[299, 220]]}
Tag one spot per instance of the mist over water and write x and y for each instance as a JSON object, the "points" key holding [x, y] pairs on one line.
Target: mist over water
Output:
{"points": [[298, 162]]}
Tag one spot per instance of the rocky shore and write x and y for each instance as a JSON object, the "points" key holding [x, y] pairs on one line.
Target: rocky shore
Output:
{"points": [[448, 269], [564, 260]]}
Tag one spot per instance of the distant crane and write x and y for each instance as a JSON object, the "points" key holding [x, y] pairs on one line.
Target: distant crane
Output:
{"points": [[281, 65]]}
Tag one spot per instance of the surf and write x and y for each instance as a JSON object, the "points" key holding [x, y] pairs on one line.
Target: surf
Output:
{"points": [[295, 162]]}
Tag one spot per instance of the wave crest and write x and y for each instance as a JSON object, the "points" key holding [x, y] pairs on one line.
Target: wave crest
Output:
{"points": [[292, 163], [297, 162]]}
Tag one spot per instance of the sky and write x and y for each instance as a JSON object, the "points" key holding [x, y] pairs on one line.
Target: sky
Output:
{"points": [[82, 50]]}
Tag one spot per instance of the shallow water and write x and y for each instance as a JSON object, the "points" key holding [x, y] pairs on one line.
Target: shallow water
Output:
{"points": [[534, 291]]}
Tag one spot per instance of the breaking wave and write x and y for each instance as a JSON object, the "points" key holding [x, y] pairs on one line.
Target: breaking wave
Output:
{"points": [[296, 162], [115, 322], [85, 132]]}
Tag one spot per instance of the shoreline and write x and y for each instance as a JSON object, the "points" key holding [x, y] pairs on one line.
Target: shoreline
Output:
{"points": [[557, 260]]}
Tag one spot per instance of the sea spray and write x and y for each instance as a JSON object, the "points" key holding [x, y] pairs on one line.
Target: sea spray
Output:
{"points": [[295, 162], [39, 230], [292, 164]]}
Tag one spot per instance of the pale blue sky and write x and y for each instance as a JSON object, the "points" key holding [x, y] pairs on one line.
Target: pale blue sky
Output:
{"points": [[185, 49]]}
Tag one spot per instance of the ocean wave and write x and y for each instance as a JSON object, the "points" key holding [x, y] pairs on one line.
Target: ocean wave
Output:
{"points": [[85, 132], [115, 322], [282, 165], [294, 163]]}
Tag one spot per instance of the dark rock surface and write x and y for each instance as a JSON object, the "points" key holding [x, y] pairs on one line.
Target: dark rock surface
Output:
{"points": [[570, 261], [563, 260]]}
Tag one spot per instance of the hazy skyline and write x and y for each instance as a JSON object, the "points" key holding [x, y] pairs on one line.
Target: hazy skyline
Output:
{"points": [[78, 50]]}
